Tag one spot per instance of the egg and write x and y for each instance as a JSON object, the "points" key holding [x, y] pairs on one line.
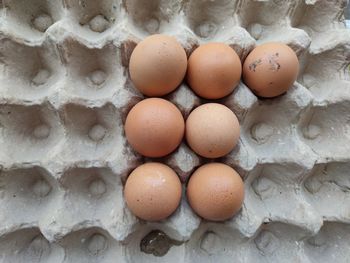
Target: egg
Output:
{"points": [[214, 70], [212, 130], [270, 69], [157, 65], [154, 127], [215, 191], [152, 191]]}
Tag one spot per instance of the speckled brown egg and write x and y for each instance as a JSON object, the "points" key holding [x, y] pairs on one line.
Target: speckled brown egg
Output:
{"points": [[212, 130], [158, 65], [215, 191], [270, 69], [214, 70], [152, 191], [154, 127]]}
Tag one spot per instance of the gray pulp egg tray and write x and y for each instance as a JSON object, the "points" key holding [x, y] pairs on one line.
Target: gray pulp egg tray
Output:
{"points": [[64, 95]]}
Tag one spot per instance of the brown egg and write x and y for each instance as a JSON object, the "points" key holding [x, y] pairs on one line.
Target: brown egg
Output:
{"points": [[153, 191], [270, 69], [214, 70], [154, 127], [215, 191], [158, 65], [212, 130]]}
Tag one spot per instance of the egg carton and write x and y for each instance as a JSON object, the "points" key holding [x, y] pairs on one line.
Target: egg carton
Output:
{"points": [[64, 95]]}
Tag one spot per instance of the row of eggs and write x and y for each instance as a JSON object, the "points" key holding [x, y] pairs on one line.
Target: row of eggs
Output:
{"points": [[155, 127], [153, 191], [159, 64]]}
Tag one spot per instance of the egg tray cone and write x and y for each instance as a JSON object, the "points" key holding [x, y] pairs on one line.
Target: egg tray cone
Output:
{"points": [[65, 91]]}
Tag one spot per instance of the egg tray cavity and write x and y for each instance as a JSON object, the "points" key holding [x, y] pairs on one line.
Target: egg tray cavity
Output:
{"points": [[65, 92]]}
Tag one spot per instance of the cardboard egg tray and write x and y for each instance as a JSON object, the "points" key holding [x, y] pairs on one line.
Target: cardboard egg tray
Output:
{"points": [[64, 95]]}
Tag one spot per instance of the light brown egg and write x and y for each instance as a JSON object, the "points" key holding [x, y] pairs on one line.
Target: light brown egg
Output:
{"points": [[212, 130], [270, 69], [158, 65], [153, 191], [214, 70], [154, 127], [215, 191]]}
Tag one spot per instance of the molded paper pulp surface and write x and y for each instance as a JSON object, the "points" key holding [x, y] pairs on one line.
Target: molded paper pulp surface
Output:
{"points": [[64, 95]]}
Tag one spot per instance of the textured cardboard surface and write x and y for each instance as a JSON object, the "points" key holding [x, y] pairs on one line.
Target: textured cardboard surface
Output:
{"points": [[64, 96]]}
